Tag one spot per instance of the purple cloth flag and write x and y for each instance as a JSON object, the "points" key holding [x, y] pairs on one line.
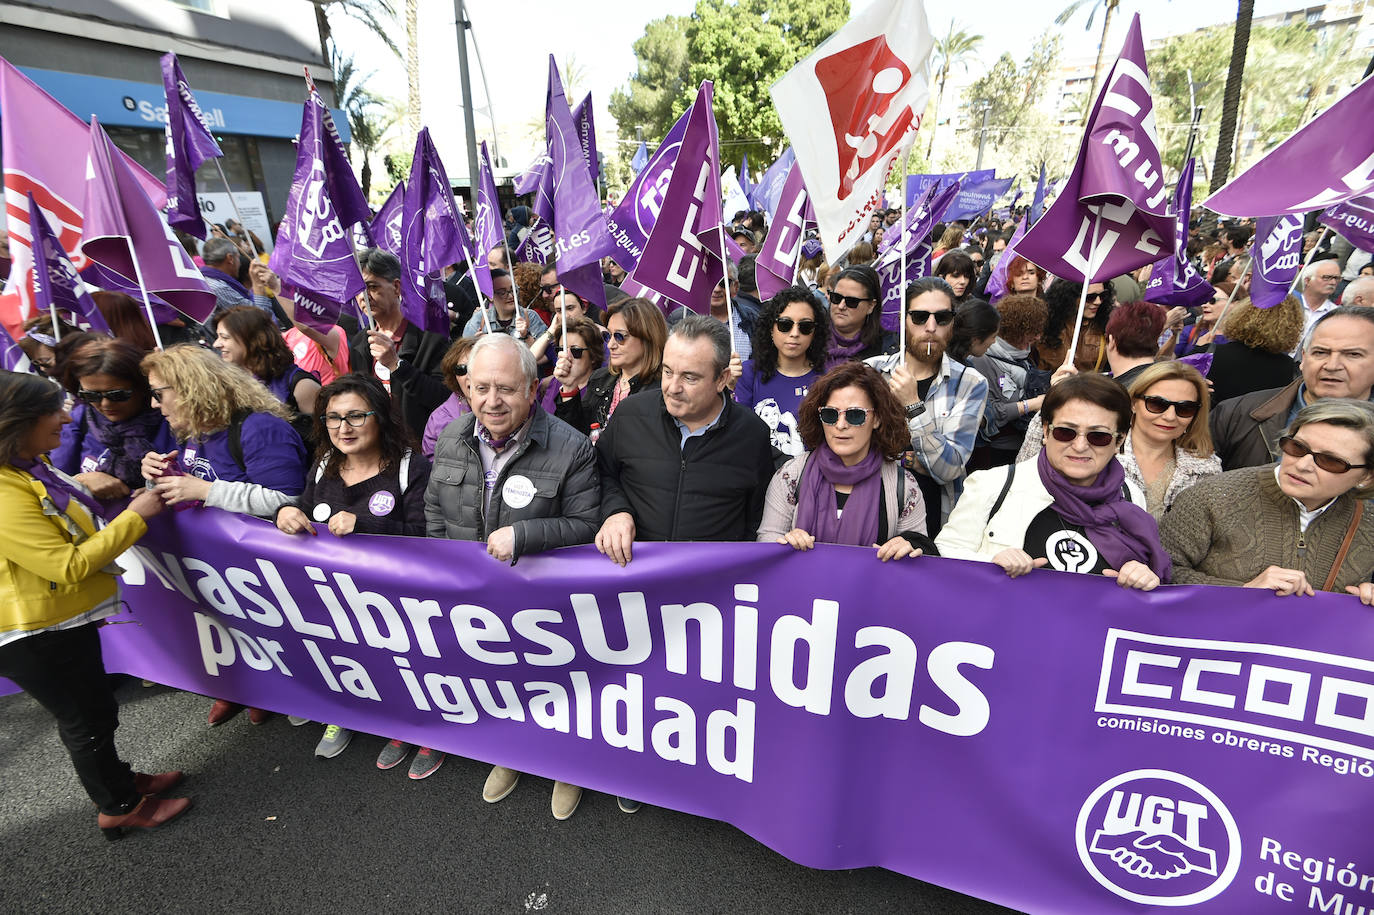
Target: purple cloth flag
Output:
{"points": [[189, 144], [314, 253], [56, 284], [486, 221], [12, 358], [916, 185], [1326, 161], [579, 226], [1173, 279], [913, 214], [746, 180], [921, 219], [1275, 258], [1114, 213], [432, 235], [997, 280], [919, 247], [344, 190], [528, 181], [126, 233], [385, 227], [640, 158], [977, 197], [632, 221], [776, 266], [585, 124], [1354, 219], [1037, 206], [766, 195], [682, 257]]}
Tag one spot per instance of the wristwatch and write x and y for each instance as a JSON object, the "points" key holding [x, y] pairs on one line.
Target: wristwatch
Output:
{"points": [[914, 410]]}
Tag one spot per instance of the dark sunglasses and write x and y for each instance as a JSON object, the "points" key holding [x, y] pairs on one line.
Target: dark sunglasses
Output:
{"points": [[1183, 409], [1328, 462], [1093, 297], [807, 326], [854, 416], [848, 301], [120, 395], [619, 336], [578, 351], [460, 370], [1095, 437], [551, 288], [920, 316], [156, 393]]}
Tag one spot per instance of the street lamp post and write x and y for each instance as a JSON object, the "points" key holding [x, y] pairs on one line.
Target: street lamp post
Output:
{"points": [[985, 107]]}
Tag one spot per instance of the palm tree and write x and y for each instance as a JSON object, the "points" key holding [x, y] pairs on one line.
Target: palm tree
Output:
{"points": [[1230, 104], [954, 50], [378, 15], [369, 117], [1109, 8], [412, 68]]}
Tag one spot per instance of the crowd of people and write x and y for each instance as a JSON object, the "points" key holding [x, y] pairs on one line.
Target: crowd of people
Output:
{"points": [[544, 420]]}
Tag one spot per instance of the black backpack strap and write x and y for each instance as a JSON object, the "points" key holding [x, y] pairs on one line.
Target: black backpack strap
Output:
{"points": [[1006, 487], [236, 440]]}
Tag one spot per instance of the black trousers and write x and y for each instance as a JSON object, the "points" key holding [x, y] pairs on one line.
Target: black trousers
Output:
{"points": [[63, 671]]}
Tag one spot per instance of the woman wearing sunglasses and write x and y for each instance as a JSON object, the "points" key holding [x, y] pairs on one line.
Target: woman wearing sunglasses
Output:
{"points": [[1169, 447], [856, 330], [849, 486], [586, 353], [1072, 508], [1292, 528], [1062, 298], [367, 479], [635, 336], [454, 368], [789, 355]]}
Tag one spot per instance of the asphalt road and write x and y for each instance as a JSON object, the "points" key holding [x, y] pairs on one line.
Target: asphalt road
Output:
{"points": [[275, 829]]}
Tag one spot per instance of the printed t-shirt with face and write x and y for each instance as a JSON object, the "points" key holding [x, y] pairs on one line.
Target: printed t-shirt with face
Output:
{"points": [[777, 402]]}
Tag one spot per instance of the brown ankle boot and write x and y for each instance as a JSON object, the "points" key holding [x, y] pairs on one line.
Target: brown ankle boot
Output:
{"points": [[150, 813]]}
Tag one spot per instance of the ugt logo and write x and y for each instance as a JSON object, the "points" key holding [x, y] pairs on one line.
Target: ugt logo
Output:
{"points": [[1156, 836], [862, 86]]}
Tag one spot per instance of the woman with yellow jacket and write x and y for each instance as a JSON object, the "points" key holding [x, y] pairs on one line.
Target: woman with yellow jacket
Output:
{"points": [[57, 582]]}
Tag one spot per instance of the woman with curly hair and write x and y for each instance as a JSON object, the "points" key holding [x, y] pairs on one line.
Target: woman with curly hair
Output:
{"points": [[790, 339], [1255, 354], [1016, 388], [849, 486], [1062, 298], [246, 336]]}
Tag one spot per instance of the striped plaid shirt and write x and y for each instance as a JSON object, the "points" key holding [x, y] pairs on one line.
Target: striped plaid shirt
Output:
{"points": [[942, 435]]}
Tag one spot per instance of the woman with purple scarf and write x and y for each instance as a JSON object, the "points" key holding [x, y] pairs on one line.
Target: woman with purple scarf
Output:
{"points": [[1071, 508], [848, 487], [856, 316]]}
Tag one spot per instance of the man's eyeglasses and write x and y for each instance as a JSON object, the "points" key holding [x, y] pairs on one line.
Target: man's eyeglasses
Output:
{"points": [[354, 418], [848, 301], [618, 336], [1097, 438], [1183, 409], [550, 288], [120, 395], [1328, 462], [920, 316], [853, 416], [807, 326]]}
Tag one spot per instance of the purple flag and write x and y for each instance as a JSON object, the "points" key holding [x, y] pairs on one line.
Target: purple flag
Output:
{"points": [[314, 253], [433, 234], [126, 233], [532, 178], [536, 246], [1038, 199], [640, 158], [12, 358], [586, 134], [632, 221], [916, 185], [682, 257], [486, 222], [1275, 258], [1326, 161], [579, 226], [765, 195], [977, 198], [344, 189], [997, 280], [776, 266], [189, 143], [55, 281], [913, 213], [1354, 219], [919, 247], [385, 227], [1113, 215], [1173, 279], [746, 180]]}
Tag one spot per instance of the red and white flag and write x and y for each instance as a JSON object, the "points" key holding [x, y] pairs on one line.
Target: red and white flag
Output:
{"points": [[852, 107]]}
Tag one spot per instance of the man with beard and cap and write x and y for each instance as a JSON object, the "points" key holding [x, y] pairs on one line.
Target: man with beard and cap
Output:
{"points": [[944, 399]]}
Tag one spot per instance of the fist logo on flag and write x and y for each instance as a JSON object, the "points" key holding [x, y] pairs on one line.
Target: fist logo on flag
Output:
{"points": [[861, 85]]}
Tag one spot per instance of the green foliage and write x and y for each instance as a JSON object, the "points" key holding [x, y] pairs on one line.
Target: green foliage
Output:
{"points": [[1013, 91]]}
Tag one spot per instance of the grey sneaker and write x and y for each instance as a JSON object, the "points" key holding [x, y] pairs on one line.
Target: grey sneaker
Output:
{"points": [[392, 754], [334, 741], [296, 720], [426, 762], [501, 782], [565, 800]]}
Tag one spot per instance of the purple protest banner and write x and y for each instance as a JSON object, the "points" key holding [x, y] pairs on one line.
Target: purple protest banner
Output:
{"points": [[12, 359], [1275, 259], [1089, 749], [631, 222], [486, 221], [917, 185], [996, 286], [1353, 219], [1173, 279], [189, 144], [1324, 162], [976, 199], [776, 265], [433, 234], [585, 125], [766, 195], [124, 231], [385, 227], [56, 284], [314, 254], [1113, 214]]}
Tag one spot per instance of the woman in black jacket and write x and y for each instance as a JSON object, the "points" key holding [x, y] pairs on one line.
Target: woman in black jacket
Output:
{"points": [[635, 335]]}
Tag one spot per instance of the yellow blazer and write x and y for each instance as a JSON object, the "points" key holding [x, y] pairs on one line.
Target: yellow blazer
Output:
{"points": [[47, 574]]}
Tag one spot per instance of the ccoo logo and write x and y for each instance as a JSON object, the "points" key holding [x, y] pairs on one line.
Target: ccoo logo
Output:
{"points": [[1155, 836]]}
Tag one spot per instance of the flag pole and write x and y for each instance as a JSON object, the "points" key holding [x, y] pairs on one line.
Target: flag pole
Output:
{"points": [[1307, 262], [1083, 294], [725, 278], [143, 288], [56, 333], [238, 217], [901, 253], [563, 316]]}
